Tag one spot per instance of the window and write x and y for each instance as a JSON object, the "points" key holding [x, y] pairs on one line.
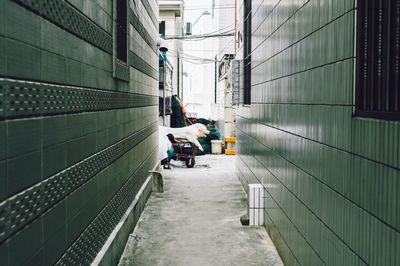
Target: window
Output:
{"points": [[122, 31], [377, 68], [161, 29], [247, 52]]}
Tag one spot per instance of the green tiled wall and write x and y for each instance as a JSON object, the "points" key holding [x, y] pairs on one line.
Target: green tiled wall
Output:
{"points": [[332, 179], [76, 144]]}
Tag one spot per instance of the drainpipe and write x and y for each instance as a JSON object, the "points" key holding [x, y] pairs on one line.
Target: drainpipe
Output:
{"points": [[215, 80]]}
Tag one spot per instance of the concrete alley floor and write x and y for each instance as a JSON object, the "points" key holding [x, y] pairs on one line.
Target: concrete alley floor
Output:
{"points": [[196, 221]]}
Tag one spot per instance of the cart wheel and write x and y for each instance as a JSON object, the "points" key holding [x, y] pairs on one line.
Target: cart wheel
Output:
{"points": [[190, 162]]}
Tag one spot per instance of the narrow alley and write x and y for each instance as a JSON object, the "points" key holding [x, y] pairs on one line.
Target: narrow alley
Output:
{"points": [[196, 221], [280, 120]]}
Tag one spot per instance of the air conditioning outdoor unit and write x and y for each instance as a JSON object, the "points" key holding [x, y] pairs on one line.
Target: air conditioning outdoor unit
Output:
{"points": [[256, 198], [188, 28]]}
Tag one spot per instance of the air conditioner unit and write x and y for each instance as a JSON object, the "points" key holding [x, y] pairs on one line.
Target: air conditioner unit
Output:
{"points": [[256, 204], [188, 28], [233, 79]]}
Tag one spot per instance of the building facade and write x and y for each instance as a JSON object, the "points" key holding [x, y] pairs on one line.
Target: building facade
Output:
{"points": [[170, 21], [78, 127], [330, 169]]}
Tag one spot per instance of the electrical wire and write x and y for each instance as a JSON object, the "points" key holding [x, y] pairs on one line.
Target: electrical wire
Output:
{"points": [[195, 37], [191, 57]]}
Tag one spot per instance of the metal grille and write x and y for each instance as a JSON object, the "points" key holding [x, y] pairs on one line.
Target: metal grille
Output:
{"points": [[121, 30], [378, 42], [247, 52]]}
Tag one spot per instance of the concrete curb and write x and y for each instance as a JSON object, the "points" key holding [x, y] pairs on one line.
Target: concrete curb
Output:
{"points": [[113, 248]]}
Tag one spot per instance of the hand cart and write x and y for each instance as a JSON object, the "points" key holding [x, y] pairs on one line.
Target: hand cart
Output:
{"points": [[184, 151]]}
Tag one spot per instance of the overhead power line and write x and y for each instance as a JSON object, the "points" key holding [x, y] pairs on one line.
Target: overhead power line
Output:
{"points": [[201, 37]]}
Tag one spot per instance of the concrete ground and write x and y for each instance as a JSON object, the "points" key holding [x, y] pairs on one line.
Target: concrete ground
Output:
{"points": [[196, 221]]}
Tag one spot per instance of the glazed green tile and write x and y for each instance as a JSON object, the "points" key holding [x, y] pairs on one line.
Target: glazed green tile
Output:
{"points": [[2, 17], [38, 148], [54, 130], [37, 259], [22, 60], [52, 67], [77, 225], [54, 222], [102, 139], [3, 181], [22, 24], [27, 244], [103, 18], [74, 203], [2, 54], [90, 144], [76, 150], [318, 150], [89, 123], [5, 254], [78, 4], [3, 142], [74, 126], [53, 38], [23, 136], [23, 171], [90, 9], [73, 72], [55, 246], [54, 159]]}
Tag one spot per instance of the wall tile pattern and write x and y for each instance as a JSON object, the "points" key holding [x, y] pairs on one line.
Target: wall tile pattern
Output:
{"points": [[76, 144], [332, 180]]}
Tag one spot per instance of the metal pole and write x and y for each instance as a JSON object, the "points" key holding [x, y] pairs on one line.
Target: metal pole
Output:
{"points": [[234, 44]]}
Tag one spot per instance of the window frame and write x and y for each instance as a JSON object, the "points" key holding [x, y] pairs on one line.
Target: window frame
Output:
{"points": [[247, 17], [377, 92], [121, 66]]}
